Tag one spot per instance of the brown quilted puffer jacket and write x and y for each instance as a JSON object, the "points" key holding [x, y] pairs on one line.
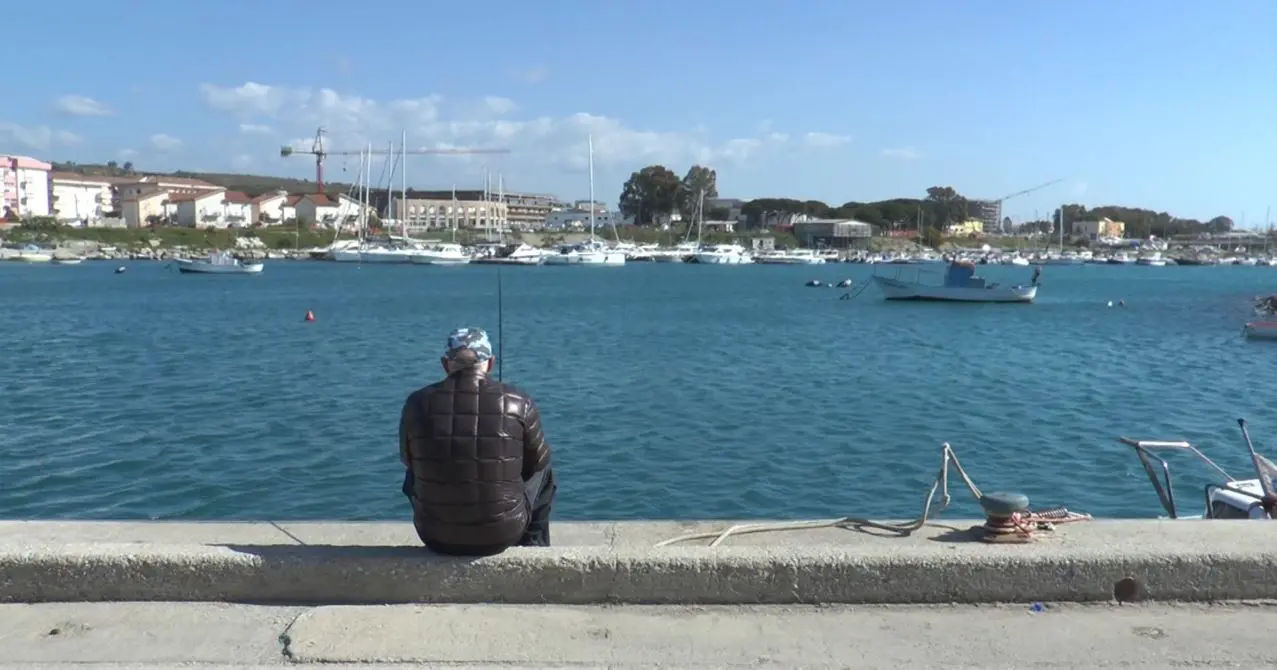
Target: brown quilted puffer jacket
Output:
{"points": [[471, 442]]}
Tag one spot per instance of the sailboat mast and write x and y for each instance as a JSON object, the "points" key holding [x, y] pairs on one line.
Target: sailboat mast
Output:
{"points": [[454, 212], [403, 180], [501, 207], [590, 141]]}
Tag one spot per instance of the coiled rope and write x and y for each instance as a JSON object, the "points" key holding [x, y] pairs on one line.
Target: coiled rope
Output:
{"points": [[1025, 523]]}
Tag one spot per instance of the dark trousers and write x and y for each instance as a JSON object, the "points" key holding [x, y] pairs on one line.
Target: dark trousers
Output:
{"points": [[538, 496]]}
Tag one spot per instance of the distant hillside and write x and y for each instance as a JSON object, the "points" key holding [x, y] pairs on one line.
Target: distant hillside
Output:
{"points": [[251, 184]]}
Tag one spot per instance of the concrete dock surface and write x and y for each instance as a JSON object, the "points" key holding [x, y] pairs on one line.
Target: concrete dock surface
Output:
{"points": [[1018, 636], [282, 563]]}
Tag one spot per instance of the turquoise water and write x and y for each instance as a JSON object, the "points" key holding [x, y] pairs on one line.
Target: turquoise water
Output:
{"points": [[668, 391]]}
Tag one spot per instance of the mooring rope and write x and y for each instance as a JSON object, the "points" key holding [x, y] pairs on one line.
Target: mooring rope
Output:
{"points": [[1025, 523]]}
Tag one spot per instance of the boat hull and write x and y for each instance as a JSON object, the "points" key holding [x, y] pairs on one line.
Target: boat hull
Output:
{"points": [[587, 258], [428, 259], [201, 267], [371, 257], [507, 261], [1260, 330], [895, 289], [722, 259]]}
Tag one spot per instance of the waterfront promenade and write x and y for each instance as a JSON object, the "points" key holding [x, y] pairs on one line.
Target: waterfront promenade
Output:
{"points": [[604, 596]]}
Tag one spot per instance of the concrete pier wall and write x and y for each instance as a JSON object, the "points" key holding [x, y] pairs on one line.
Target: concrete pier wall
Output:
{"points": [[593, 563]]}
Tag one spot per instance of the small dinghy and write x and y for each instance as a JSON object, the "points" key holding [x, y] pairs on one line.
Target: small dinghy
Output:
{"points": [[1260, 330]]}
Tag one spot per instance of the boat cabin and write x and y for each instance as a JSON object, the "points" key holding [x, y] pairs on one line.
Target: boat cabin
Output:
{"points": [[961, 274], [1231, 499]]}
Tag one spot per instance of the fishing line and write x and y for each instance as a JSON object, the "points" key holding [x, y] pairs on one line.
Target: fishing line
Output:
{"points": [[500, 327]]}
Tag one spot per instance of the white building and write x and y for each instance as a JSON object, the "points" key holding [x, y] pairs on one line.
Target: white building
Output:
{"points": [[24, 187], [199, 210], [579, 219], [316, 209], [423, 214], [142, 209], [151, 183], [238, 209], [268, 208], [79, 199]]}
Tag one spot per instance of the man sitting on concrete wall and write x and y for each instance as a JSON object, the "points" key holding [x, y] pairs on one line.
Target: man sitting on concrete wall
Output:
{"points": [[479, 474]]}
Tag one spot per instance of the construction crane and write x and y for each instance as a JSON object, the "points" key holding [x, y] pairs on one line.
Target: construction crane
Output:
{"points": [[999, 201], [320, 153]]}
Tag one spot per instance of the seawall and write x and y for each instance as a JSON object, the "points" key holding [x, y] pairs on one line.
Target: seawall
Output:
{"points": [[594, 563]]}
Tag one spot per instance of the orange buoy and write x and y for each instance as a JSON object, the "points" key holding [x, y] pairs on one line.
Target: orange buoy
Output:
{"points": [[310, 316]]}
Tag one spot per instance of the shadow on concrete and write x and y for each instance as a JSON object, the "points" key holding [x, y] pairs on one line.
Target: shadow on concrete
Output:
{"points": [[336, 552]]}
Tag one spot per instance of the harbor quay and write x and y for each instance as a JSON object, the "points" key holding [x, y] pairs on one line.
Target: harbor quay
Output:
{"points": [[619, 563], [1094, 594]]}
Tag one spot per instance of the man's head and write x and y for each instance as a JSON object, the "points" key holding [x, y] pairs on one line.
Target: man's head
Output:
{"points": [[468, 349]]}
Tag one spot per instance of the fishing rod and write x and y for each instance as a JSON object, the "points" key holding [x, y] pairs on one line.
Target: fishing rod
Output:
{"points": [[500, 326]]}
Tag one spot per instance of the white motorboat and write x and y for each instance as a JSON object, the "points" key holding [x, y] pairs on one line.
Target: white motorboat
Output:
{"points": [[960, 285], [1230, 498], [33, 257], [1154, 259], [71, 260], [218, 263], [445, 253], [724, 254], [590, 252], [790, 257], [512, 254], [678, 254]]}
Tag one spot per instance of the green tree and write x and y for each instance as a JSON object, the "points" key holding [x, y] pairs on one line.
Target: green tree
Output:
{"points": [[650, 194], [699, 182], [947, 206], [932, 237]]}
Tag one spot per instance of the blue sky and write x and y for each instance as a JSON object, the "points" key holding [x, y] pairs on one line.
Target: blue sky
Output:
{"points": [[1167, 104]]}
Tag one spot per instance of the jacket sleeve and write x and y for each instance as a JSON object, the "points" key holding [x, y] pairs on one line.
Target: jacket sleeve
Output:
{"points": [[536, 452], [404, 456]]}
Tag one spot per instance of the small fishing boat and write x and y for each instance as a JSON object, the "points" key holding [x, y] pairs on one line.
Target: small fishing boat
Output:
{"points": [[1230, 498], [218, 263], [960, 285], [1260, 330]]}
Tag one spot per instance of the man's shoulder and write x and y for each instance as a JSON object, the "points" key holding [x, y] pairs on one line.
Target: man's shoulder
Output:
{"points": [[506, 389]]}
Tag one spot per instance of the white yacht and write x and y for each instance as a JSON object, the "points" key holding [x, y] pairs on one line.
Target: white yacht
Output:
{"points": [[591, 251], [678, 254], [512, 254], [724, 254], [444, 253], [374, 254], [790, 257]]}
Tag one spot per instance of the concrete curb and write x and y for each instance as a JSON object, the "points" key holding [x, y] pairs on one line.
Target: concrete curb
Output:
{"points": [[1169, 561]]}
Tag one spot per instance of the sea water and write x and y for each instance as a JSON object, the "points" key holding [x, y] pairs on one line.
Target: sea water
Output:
{"points": [[668, 391]]}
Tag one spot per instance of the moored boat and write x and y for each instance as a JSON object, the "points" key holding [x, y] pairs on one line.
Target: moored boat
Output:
{"points": [[1260, 330], [960, 285], [218, 263]]}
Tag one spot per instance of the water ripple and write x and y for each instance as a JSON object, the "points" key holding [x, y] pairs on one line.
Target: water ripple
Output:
{"points": [[668, 391]]}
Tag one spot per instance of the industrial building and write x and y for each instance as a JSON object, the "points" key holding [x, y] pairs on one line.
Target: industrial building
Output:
{"points": [[833, 233]]}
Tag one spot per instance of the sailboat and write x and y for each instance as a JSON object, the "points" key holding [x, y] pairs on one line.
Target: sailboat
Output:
{"points": [[686, 249], [592, 251], [366, 252]]}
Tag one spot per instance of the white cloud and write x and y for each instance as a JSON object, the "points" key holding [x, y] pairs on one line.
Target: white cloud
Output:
{"points": [[825, 140], [243, 161], [250, 99], [532, 75], [903, 153], [254, 129], [127, 154], [79, 105], [500, 105], [36, 137], [165, 142], [433, 122]]}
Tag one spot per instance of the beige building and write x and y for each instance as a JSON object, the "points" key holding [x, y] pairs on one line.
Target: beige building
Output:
{"points": [[1099, 229], [421, 214]]}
